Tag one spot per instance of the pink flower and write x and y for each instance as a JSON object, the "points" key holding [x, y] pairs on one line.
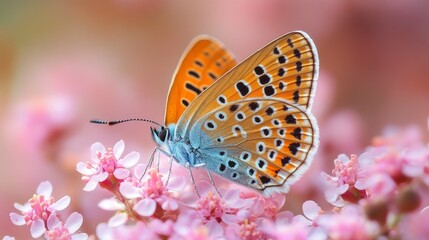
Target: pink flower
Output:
{"points": [[106, 167], [150, 194], [230, 208], [349, 223], [58, 230], [345, 184], [37, 210]]}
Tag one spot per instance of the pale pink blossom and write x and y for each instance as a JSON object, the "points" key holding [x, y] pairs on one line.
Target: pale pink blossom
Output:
{"points": [[151, 194], [345, 184], [349, 223], [36, 211], [231, 208], [106, 167], [58, 230]]}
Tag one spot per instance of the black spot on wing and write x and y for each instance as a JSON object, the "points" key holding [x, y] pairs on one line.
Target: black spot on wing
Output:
{"points": [[290, 119], [293, 148], [233, 107], [285, 161], [242, 88], [193, 88], [194, 74], [185, 102], [253, 106], [297, 133], [264, 179]]}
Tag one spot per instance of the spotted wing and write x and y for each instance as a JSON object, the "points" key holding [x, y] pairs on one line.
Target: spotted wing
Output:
{"points": [[203, 62], [286, 69], [264, 144]]}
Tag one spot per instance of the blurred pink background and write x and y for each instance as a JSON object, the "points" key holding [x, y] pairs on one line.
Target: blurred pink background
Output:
{"points": [[63, 63]]}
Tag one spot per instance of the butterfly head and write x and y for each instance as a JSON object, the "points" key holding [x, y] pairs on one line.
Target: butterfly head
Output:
{"points": [[160, 135]]}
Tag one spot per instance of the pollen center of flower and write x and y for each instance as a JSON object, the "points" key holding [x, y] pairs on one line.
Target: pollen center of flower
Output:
{"points": [[108, 162], [39, 208]]}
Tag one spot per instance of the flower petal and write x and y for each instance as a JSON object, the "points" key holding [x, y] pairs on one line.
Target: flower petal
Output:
{"points": [[45, 189], [145, 207], [100, 177], [170, 204], [310, 209], [90, 185], [118, 220], [37, 228], [23, 208], [129, 191], [130, 159], [231, 197], [118, 149], [73, 222], [95, 149], [79, 236], [17, 219], [61, 204], [139, 170], [111, 204], [121, 173], [215, 229], [83, 169], [177, 183], [103, 232], [230, 218], [53, 222], [8, 238]]}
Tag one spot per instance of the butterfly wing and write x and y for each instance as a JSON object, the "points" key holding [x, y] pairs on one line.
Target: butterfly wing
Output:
{"points": [[286, 68], [261, 143], [281, 75], [203, 62]]}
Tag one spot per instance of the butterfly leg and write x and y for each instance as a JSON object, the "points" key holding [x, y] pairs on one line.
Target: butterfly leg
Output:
{"points": [[159, 160], [150, 162], [169, 170], [213, 182], [152, 156], [170, 162], [193, 180]]}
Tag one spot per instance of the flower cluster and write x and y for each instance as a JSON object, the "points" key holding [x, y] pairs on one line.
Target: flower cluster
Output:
{"points": [[41, 213], [376, 194], [387, 183]]}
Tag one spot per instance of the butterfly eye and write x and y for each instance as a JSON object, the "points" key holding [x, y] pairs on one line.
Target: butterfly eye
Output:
{"points": [[163, 134]]}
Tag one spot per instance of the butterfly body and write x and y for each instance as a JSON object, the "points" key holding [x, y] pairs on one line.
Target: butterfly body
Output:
{"points": [[253, 125]]}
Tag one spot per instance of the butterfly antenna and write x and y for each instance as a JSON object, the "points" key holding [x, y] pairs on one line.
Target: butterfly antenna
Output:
{"points": [[98, 121]]}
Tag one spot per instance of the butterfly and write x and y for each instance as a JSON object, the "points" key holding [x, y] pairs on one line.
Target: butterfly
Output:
{"points": [[250, 123]]}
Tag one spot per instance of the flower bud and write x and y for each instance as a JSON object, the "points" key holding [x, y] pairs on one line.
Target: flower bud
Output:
{"points": [[377, 210], [407, 200]]}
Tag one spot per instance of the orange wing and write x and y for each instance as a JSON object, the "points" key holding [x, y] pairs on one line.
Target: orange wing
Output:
{"points": [[286, 69], [204, 61]]}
